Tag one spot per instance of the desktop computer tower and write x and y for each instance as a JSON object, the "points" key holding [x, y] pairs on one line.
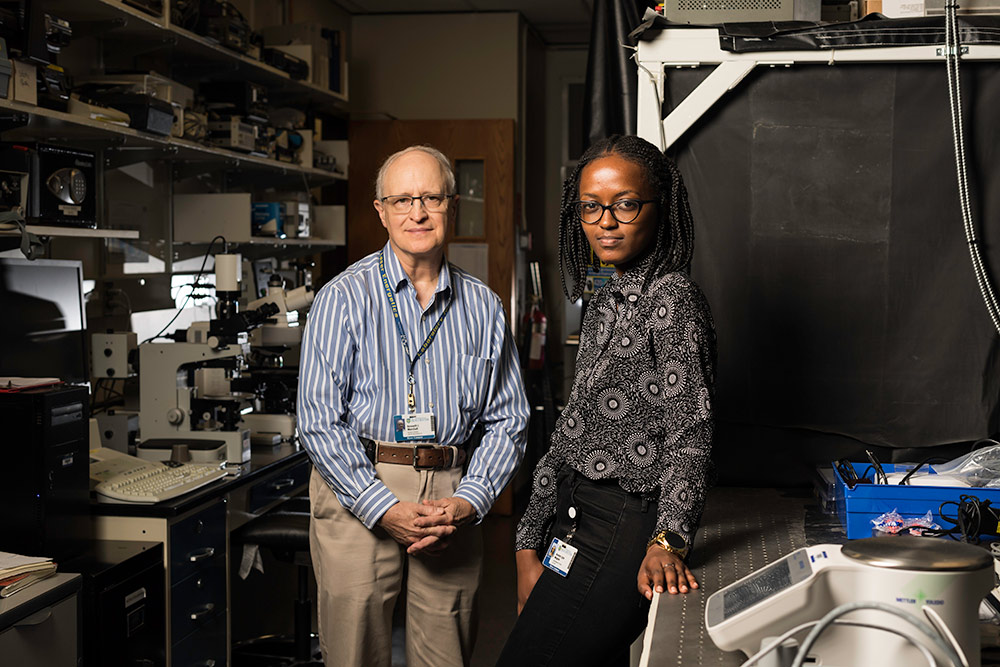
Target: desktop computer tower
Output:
{"points": [[45, 493]]}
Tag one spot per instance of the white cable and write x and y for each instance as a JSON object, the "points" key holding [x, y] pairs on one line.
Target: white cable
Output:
{"points": [[928, 656], [773, 645], [945, 631], [952, 58], [832, 616]]}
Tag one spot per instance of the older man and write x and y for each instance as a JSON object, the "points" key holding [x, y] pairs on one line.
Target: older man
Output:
{"points": [[404, 356]]}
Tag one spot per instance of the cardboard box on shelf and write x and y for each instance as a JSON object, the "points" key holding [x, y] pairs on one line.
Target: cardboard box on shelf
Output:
{"points": [[23, 85], [330, 224], [336, 149]]}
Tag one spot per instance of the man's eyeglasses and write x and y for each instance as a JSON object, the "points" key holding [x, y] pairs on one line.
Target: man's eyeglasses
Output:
{"points": [[403, 203], [623, 210]]}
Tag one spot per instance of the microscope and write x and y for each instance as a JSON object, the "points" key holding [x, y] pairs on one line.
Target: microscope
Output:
{"points": [[189, 398], [273, 418]]}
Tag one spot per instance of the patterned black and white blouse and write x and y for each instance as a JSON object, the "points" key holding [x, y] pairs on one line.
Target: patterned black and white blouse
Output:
{"points": [[640, 410]]}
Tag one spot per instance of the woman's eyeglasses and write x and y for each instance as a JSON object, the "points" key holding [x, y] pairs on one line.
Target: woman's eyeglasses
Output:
{"points": [[623, 210]]}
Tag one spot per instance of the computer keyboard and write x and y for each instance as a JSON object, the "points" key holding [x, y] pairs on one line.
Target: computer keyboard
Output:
{"points": [[130, 479]]}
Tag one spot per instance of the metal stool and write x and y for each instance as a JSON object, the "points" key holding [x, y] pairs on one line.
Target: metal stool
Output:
{"points": [[285, 532]]}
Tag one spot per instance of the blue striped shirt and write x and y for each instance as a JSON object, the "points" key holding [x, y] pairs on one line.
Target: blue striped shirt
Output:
{"points": [[353, 380]]}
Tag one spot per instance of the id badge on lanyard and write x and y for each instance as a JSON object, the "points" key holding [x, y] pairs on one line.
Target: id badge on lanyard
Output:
{"points": [[560, 554]]}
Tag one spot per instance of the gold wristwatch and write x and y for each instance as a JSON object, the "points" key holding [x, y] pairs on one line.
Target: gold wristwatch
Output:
{"points": [[670, 541]]}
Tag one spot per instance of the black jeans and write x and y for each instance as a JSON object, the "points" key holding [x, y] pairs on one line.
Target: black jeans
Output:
{"points": [[591, 616]]}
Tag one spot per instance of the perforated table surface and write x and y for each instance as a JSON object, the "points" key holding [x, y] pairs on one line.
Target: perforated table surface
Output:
{"points": [[743, 530]]}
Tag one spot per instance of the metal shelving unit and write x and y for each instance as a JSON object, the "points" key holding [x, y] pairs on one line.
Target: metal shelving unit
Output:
{"points": [[124, 145], [126, 29], [117, 21]]}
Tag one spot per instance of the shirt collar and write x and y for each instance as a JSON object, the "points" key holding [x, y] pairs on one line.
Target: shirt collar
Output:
{"points": [[398, 278], [634, 277]]}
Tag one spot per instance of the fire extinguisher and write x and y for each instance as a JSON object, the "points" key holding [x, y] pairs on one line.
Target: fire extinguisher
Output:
{"points": [[535, 326]]}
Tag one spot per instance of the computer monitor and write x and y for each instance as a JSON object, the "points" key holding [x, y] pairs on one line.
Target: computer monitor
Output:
{"points": [[44, 322]]}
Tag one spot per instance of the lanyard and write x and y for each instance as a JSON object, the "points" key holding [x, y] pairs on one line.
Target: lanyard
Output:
{"points": [[411, 402]]}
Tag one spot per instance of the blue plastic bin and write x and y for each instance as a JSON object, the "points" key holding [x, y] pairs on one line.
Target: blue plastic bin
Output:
{"points": [[857, 507]]}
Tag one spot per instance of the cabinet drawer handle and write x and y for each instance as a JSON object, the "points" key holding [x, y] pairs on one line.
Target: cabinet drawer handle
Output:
{"points": [[37, 618], [206, 663], [282, 484], [203, 612], [201, 554]]}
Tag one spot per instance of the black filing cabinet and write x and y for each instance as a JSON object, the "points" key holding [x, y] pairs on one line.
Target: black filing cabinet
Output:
{"points": [[123, 604], [198, 578]]}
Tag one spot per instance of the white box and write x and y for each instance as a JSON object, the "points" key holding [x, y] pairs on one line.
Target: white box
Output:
{"points": [[200, 218], [899, 9], [330, 224]]}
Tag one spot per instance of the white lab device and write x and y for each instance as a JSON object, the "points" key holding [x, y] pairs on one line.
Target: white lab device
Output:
{"points": [[907, 573]]}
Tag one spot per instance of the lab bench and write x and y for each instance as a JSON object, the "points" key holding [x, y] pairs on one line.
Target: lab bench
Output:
{"points": [[194, 529]]}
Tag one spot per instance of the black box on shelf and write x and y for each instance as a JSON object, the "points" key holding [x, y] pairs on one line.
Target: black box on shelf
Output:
{"points": [[53, 87], [55, 184], [146, 112], [294, 67], [32, 33], [237, 98]]}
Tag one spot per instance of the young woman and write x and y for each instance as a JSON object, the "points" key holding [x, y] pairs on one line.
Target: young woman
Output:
{"points": [[618, 497]]}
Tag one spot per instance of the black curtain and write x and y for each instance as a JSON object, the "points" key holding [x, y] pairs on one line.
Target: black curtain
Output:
{"points": [[610, 97], [831, 248]]}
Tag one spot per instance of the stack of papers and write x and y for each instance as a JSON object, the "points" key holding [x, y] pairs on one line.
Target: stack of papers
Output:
{"points": [[13, 384], [18, 572]]}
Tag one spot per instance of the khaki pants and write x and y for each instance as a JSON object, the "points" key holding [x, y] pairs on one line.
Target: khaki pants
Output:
{"points": [[361, 572]]}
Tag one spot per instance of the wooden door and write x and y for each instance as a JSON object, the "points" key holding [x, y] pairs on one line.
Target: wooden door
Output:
{"points": [[489, 141]]}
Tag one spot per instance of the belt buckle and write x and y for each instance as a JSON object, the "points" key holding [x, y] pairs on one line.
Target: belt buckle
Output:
{"points": [[416, 465]]}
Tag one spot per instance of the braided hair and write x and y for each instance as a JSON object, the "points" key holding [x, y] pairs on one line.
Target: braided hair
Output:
{"points": [[675, 229]]}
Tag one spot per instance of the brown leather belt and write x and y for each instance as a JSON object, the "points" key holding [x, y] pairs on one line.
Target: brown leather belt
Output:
{"points": [[422, 456]]}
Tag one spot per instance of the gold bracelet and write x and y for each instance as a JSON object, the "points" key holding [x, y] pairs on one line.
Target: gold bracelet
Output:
{"points": [[671, 542]]}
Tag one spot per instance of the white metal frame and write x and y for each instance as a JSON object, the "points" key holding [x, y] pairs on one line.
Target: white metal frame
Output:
{"points": [[696, 47]]}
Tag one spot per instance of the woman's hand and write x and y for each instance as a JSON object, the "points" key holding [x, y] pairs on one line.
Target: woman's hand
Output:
{"points": [[664, 570], [529, 569]]}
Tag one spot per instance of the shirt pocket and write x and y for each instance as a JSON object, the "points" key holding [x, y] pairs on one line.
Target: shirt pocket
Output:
{"points": [[472, 379]]}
